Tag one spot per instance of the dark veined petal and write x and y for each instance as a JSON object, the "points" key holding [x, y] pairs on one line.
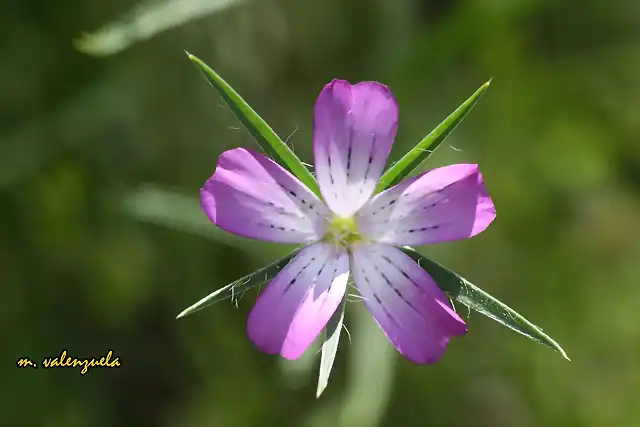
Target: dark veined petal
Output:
{"points": [[252, 196], [294, 308], [441, 205], [405, 301], [354, 128]]}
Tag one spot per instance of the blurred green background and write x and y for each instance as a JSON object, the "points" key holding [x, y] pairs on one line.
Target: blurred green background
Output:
{"points": [[102, 244]]}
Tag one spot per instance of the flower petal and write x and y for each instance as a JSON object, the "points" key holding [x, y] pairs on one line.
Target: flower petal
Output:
{"points": [[405, 301], [354, 129], [252, 196], [441, 205], [299, 301]]}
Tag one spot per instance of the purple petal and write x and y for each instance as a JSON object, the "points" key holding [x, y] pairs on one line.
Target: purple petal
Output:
{"points": [[354, 128], [441, 205], [252, 196], [297, 304], [405, 301]]}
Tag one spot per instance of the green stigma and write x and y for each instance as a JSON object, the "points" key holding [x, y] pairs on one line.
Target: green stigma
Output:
{"points": [[343, 231]]}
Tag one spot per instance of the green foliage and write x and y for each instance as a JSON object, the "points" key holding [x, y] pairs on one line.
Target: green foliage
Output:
{"points": [[264, 136], [146, 20], [465, 292], [421, 152], [238, 287], [330, 347]]}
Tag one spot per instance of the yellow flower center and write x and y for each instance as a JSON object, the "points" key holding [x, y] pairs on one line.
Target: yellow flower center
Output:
{"points": [[343, 231]]}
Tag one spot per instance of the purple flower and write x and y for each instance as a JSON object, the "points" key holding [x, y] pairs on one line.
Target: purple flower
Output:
{"points": [[350, 231]]}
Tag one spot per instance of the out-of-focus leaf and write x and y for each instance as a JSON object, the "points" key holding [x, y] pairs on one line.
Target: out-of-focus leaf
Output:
{"points": [[371, 373], [145, 21], [72, 123], [463, 291], [330, 347], [296, 373], [264, 136], [418, 154], [243, 284], [174, 210]]}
